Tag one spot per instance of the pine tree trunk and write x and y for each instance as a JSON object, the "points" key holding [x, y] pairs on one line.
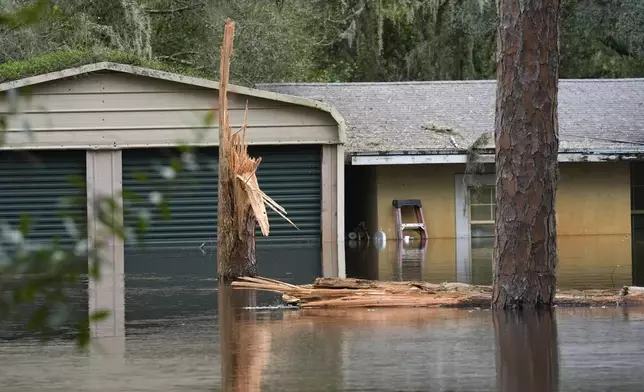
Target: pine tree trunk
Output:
{"points": [[527, 143]]}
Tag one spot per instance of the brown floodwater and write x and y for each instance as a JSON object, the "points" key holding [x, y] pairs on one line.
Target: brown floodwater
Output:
{"points": [[599, 261], [184, 334]]}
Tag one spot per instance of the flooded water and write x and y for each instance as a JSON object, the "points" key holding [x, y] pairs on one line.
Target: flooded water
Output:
{"points": [[584, 261], [180, 328]]}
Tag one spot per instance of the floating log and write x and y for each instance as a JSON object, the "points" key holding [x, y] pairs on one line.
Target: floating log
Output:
{"points": [[360, 293]]}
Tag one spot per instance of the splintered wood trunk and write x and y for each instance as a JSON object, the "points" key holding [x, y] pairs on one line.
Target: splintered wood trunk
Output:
{"points": [[243, 261], [235, 220], [527, 143]]}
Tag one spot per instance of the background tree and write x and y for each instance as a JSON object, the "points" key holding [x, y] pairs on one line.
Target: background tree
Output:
{"points": [[328, 40], [527, 144]]}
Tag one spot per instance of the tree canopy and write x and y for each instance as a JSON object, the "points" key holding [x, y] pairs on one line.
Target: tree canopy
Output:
{"points": [[326, 40]]}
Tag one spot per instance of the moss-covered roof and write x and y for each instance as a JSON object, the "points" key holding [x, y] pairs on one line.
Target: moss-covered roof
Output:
{"points": [[58, 61]]}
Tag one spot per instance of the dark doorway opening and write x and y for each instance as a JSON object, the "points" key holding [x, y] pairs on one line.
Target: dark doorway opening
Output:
{"points": [[637, 222]]}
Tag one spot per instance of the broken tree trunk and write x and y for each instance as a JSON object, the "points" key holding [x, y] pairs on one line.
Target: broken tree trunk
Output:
{"points": [[235, 238], [358, 293], [527, 140], [240, 204]]}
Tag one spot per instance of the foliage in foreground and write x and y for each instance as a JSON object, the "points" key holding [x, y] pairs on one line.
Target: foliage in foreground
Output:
{"points": [[38, 281], [41, 280]]}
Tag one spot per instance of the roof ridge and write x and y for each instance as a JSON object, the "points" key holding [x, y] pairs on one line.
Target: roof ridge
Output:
{"points": [[408, 82], [435, 82]]}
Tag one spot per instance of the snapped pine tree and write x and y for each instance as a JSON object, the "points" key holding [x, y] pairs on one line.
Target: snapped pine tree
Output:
{"points": [[241, 203]]}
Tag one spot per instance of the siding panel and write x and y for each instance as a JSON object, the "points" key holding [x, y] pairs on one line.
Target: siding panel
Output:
{"points": [[135, 117], [291, 176], [190, 99], [159, 137], [118, 110]]}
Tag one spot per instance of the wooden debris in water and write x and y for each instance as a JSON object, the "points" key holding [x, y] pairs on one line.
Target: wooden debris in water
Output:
{"points": [[359, 293]]}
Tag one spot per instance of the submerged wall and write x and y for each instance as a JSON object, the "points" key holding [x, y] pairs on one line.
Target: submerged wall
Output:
{"points": [[432, 184], [592, 199], [599, 261]]}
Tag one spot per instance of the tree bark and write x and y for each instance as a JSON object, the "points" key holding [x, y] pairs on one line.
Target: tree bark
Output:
{"points": [[243, 258], [527, 143], [235, 237]]}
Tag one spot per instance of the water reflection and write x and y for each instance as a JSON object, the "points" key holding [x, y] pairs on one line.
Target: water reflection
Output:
{"points": [[584, 261], [410, 260], [184, 334], [245, 346], [184, 281], [107, 359], [527, 353], [274, 349], [638, 250]]}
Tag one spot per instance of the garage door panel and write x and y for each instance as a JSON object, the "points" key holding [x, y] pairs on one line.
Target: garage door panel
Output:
{"points": [[289, 175], [36, 184]]}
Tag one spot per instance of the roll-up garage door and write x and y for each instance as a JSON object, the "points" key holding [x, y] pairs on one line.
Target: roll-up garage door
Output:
{"points": [[290, 175], [43, 185]]}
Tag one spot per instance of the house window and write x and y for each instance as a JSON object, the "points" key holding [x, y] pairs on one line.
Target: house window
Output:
{"points": [[482, 210]]}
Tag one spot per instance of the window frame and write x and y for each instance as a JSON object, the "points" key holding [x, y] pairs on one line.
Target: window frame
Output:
{"points": [[491, 204], [463, 226]]}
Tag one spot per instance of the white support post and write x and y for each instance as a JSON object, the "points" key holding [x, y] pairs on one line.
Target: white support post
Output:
{"points": [[333, 263], [104, 179], [339, 168]]}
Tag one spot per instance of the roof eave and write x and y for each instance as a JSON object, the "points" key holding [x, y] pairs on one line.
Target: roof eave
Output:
{"points": [[487, 156], [484, 151], [417, 152]]}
